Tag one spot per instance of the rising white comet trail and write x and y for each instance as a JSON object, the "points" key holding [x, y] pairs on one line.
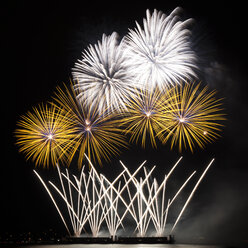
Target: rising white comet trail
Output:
{"points": [[191, 195], [94, 200]]}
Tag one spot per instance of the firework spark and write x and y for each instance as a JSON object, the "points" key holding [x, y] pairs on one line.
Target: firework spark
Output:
{"points": [[194, 117], [45, 135], [160, 54], [102, 77], [95, 133]]}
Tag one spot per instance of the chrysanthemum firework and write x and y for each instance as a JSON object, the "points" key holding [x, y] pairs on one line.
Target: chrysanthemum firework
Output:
{"points": [[160, 53], [142, 119], [102, 75], [194, 117], [95, 134], [45, 135]]}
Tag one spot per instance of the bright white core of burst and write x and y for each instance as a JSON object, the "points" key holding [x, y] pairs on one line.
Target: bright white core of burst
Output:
{"points": [[148, 114], [181, 119], [87, 129], [50, 136]]}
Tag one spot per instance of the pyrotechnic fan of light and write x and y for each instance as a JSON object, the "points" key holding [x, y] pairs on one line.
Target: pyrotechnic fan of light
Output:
{"points": [[93, 200], [160, 54], [143, 116], [193, 119], [95, 133], [102, 76], [45, 135]]}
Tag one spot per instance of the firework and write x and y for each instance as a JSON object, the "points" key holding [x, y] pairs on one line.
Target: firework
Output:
{"points": [[102, 77], [142, 119], [194, 117], [95, 133], [92, 199], [160, 53], [45, 135]]}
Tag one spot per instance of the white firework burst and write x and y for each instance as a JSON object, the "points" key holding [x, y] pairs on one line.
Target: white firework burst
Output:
{"points": [[101, 75], [160, 53]]}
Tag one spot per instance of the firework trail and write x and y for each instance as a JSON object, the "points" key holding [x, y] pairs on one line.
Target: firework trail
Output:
{"points": [[92, 199], [95, 133], [102, 77], [45, 135], [194, 117], [160, 53]]}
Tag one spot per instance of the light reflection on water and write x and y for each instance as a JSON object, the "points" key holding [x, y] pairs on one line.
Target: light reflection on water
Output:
{"points": [[125, 246]]}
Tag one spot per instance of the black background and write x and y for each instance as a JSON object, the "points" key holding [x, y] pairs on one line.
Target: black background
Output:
{"points": [[43, 40]]}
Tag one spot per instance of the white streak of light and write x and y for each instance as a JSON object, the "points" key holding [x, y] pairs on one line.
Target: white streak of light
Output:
{"points": [[191, 195], [49, 193]]}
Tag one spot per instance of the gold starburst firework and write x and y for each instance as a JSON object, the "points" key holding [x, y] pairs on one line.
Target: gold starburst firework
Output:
{"points": [[194, 117], [45, 135], [95, 133], [142, 120]]}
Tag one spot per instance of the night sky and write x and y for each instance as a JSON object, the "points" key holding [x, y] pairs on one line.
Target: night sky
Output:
{"points": [[43, 41]]}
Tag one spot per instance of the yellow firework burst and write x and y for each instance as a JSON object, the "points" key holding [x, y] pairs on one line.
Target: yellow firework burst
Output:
{"points": [[194, 117], [45, 135], [95, 133], [143, 117]]}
